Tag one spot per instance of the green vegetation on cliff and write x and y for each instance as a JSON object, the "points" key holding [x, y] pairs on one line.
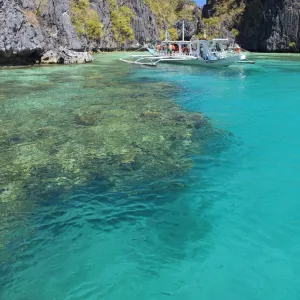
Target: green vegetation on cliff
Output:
{"points": [[225, 14], [33, 16], [293, 47], [85, 19], [121, 17], [40, 7], [169, 11]]}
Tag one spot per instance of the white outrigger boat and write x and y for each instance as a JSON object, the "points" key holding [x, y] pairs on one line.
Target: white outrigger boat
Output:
{"points": [[199, 53], [213, 52]]}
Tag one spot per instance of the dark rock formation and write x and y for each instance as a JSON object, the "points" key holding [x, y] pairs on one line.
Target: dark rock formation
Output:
{"points": [[271, 25], [27, 33], [208, 9], [267, 25], [144, 24], [191, 27]]}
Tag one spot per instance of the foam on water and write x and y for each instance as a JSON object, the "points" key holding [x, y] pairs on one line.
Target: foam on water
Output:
{"points": [[229, 229]]}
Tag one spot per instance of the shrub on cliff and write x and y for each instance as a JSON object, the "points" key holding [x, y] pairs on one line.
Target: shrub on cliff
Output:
{"points": [[40, 7], [169, 11], [225, 18], [293, 47], [121, 17], [93, 25], [85, 19]]}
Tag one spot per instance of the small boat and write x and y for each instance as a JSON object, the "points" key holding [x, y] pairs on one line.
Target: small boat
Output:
{"points": [[195, 53], [214, 52]]}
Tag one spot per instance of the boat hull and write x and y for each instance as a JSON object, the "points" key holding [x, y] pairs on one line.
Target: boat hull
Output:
{"points": [[225, 62]]}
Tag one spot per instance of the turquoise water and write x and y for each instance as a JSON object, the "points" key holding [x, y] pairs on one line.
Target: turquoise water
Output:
{"points": [[226, 229]]}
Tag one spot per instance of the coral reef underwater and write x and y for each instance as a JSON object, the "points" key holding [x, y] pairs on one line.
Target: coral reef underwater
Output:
{"points": [[62, 127]]}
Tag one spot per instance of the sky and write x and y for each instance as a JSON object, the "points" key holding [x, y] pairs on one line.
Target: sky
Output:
{"points": [[201, 2]]}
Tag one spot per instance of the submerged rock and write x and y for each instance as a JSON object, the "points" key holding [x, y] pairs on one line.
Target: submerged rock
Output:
{"points": [[86, 119], [197, 120], [150, 114]]}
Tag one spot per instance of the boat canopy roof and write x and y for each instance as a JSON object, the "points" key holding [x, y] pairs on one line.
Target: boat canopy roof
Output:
{"points": [[219, 39], [196, 41]]}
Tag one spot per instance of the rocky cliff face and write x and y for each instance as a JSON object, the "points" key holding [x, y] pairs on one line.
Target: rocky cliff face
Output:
{"points": [[266, 25], [223, 17], [31, 29], [25, 36], [271, 25], [27, 32]]}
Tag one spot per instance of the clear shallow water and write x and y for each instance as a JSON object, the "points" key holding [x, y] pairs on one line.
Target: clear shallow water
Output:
{"points": [[229, 228]]}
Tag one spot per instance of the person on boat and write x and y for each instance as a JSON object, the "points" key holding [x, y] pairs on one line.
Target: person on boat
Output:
{"points": [[201, 51], [194, 49], [158, 48], [237, 49], [206, 57], [164, 48], [173, 48], [170, 48]]}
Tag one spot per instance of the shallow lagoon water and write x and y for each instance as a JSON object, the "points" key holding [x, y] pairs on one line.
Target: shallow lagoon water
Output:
{"points": [[227, 228]]}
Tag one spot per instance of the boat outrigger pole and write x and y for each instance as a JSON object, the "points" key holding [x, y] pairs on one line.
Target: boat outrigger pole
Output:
{"points": [[183, 31]]}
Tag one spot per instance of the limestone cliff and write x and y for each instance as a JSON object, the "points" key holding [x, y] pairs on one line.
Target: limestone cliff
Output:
{"points": [[259, 25], [29, 29], [271, 25], [26, 31], [58, 30]]}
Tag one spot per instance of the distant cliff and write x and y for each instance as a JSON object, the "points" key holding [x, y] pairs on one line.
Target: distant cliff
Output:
{"points": [[271, 25], [258, 25], [35, 29]]}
